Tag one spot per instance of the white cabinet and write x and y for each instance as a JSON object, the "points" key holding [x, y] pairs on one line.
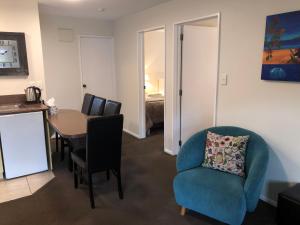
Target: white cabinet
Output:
{"points": [[23, 144]]}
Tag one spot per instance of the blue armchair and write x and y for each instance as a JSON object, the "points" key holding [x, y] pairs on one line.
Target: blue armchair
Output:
{"points": [[222, 196]]}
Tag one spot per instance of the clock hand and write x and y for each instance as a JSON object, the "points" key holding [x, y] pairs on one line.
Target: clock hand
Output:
{"points": [[3, 52]]}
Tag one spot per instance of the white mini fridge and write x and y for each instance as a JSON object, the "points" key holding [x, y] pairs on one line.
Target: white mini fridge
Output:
{"points": [[23, 144]]}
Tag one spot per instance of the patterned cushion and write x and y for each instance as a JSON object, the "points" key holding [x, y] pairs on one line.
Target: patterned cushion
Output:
{"points": [[225, 153]]}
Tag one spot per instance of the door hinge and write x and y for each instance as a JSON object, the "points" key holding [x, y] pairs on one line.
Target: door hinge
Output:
{"points": [[181, 37], [145, 87], [180, 92], [180, 143]]}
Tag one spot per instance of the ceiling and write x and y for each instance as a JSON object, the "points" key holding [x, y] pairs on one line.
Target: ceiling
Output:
{"points": [[101, 9]]}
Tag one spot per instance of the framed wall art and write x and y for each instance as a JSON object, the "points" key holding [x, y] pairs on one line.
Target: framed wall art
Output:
{"points": [[13, 55], [281, 56]]}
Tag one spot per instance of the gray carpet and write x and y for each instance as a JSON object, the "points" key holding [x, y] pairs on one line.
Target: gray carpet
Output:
{"points": [[148, 195]]}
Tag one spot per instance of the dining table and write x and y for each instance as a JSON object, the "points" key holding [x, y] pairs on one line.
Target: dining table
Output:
{"points": [[68, 124]]}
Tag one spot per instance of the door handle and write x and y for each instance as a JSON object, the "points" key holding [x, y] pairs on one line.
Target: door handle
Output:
{"points": [[84, 85]]}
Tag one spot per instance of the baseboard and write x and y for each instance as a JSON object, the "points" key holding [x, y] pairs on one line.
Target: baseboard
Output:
{"points": [[170, 152], [268, 200], [132, 133]]}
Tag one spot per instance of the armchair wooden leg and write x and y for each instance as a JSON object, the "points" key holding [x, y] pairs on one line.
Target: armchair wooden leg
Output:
{"points": [[182, 211]]}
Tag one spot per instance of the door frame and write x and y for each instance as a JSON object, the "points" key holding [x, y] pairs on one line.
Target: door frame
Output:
{"points": [[177, 79], [80, 61], [141, 74]]}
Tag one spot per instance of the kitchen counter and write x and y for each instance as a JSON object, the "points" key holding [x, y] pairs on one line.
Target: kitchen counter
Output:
{"points": [[14, 104], [21, 108]]}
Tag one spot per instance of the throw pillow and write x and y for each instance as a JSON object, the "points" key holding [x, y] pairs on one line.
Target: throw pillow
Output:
{"points": [[225, 153]]}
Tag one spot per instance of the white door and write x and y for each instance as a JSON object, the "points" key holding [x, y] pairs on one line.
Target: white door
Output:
{"points": [[199, 78], [97, 66], [23, 144]]}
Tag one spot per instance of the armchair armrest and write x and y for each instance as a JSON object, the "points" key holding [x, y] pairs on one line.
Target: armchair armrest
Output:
{"points": [[258, 162], [191, 154]]}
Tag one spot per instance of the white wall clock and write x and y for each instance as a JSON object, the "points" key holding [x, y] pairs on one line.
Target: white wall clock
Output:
{"points": [[13, 56]]}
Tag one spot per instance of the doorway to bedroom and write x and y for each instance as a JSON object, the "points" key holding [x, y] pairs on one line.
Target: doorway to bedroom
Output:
{"points": [[152, 81]]}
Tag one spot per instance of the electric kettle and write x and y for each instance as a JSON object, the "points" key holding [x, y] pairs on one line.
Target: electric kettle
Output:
{"points": [[33, 94]]}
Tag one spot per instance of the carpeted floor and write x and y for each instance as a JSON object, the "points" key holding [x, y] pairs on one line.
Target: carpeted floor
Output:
{"points": [[148, 195]]}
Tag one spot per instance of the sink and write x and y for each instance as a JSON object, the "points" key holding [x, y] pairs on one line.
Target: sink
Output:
{"points": [[11, 107]]}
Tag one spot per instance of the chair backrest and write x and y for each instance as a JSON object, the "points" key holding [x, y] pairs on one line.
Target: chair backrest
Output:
{"points": [[87, 103], [97, 106], [255, 146], [112, 108], [104, 143]]}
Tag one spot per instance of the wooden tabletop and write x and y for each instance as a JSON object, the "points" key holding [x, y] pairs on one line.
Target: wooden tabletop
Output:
{"points": [[69, 123]]}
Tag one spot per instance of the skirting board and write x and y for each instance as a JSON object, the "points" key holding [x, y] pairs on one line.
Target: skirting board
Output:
{"points": [[132, 133], [170, 152], [268, 200]]}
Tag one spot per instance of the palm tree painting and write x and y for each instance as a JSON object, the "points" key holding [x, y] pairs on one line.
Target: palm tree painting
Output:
{"points": [[281, 56]]}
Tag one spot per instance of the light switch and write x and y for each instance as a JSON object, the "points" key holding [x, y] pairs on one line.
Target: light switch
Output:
{"points": [[223, 80]]}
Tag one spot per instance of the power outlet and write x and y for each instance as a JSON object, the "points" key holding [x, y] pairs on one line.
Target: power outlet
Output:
{"points": [[223, 79]]}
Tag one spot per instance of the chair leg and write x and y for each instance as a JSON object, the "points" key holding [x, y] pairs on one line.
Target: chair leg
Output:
{"points": [[182, 211], [56, 141], [107, 174], [62, 149], [120, 184], [81, 176], [70, 159], [91, 190], [75, 172]]}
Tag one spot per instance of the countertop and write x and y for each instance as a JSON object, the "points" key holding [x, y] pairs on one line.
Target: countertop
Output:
{"points": [[6, 109]]}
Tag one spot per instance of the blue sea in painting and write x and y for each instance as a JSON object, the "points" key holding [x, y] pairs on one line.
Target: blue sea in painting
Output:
{"points": [[281, 72]]}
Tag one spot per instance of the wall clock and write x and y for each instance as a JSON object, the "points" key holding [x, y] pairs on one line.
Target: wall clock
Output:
{"points": [[13, 55]]}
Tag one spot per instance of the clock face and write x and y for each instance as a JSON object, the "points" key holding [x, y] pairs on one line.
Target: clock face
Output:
{"points": [[9, 54]]}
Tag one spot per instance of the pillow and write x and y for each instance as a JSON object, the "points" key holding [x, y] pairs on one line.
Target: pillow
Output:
{"points": [[225, 153]]}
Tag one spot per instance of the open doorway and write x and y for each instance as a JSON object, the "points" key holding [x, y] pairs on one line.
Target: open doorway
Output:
{"points": [[152, 81], [197, 63]]}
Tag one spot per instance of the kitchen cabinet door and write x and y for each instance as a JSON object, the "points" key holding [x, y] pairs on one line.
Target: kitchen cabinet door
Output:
{"points": [[23, 144]]}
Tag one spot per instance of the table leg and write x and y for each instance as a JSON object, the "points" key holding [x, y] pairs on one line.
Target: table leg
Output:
{"points": [[56, 141], [62, 149]]}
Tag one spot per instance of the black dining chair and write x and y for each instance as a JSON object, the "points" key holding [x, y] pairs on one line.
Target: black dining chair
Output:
{"points": [[102, 152], [97, 106], [112, 108], [97, 109], [87, 103]]}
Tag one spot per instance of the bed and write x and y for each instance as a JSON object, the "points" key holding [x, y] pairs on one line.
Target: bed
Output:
{"points": [[154, 111]]}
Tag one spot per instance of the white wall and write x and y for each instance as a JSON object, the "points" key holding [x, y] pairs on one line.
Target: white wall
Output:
{"points": [[154, 56], [271, 109], [61, 59], [22, 16]]}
